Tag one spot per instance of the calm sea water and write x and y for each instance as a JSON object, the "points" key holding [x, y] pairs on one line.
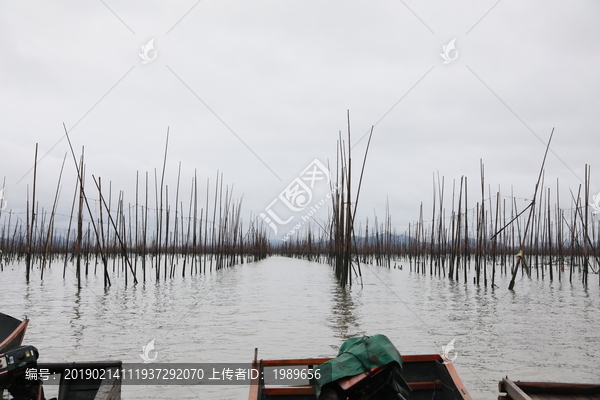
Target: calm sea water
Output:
{"points": [[291, 308]]}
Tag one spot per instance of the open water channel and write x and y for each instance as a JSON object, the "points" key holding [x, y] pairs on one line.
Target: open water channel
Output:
{"points": [[292, 308]]}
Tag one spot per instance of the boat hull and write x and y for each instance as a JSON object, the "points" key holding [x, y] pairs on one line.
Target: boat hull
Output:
{"points": [[12, 332], [510, 390], [427, 375], [87, 389]]}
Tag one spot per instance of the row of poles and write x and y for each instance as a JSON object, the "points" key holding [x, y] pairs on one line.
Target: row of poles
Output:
{"points": [[166, 239], [137, 240], [493, 237]]}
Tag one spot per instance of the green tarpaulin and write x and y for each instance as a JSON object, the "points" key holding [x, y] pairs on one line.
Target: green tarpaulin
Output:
{"points": [[357, 355]]}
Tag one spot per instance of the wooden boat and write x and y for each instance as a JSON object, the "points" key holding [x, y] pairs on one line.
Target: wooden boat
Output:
{"points": [[86, 389], [84, 381], [12, 332], [510, 390], [428, 376]]}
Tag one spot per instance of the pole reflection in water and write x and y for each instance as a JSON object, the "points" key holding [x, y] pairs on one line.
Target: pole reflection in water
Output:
{"points": [[344, 322]]}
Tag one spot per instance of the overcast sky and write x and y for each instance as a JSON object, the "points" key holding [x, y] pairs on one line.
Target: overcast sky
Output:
{"points": [[259, 89]]}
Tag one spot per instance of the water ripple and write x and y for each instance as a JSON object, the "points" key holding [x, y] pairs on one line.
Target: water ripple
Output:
{"points": [[288, 308]]}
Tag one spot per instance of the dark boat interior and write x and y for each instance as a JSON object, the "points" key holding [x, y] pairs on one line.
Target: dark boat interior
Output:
{"points": [[8, 325]]}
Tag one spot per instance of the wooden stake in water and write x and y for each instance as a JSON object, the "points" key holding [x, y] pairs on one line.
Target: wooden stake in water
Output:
{"points": [[32, 221], [531, 210]]}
